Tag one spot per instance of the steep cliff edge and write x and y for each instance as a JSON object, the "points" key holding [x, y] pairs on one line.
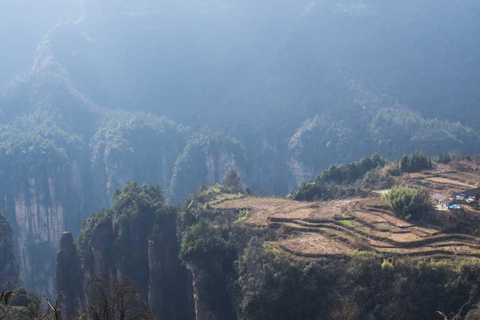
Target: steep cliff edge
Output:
{"points": [[10, 274], [207, 157], [43, 173], [68, 276], [137, 238], [272, 258]]}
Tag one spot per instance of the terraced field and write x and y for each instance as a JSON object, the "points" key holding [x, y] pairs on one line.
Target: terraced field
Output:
{"points": [[335, 229], [446, 179]]}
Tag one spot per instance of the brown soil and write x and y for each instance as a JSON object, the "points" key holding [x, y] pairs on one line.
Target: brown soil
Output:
{"points": [[335, 229]]}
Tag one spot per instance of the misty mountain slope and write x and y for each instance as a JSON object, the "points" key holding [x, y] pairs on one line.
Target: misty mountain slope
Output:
{"points": [[205, 161], [23, 25], [136, 147], [189, 61], [325, 140], [291, 87], [44, 190]]}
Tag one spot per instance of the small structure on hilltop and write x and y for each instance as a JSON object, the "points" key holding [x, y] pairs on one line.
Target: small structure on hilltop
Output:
{"points": [[468, 197], [461, 197], [441, 200]]}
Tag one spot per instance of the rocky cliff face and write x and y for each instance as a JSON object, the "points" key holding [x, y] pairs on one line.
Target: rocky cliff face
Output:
{"points": [[138, 239], [209, 292], [50, 179], [170, 284], [9, 272], [206, 159], [43, 192], [68, 276]]}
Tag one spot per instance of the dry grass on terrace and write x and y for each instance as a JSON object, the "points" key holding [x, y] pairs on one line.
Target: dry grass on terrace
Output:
{"points": [[334, 229]]}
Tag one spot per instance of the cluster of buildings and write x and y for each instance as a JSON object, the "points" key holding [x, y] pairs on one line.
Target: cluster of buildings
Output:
{"points": [[454, 203]]}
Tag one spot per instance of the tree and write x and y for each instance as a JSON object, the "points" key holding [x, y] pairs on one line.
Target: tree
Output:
{"points": [[444, 158], [407, 202], [346, 310], [415, 162], [232, 181], [115, 299]]}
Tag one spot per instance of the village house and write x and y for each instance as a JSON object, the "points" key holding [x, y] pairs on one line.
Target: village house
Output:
{"points": [[441, 200]]}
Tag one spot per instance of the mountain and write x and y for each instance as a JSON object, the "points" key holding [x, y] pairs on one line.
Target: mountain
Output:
{"points": [[99, 93]]}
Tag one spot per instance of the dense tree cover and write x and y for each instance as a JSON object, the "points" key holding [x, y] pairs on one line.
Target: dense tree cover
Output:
{"points": [[352, 171], [271, 286], [443, 158], [339, 181], [408, 203], [233, 181], [415, 162]]}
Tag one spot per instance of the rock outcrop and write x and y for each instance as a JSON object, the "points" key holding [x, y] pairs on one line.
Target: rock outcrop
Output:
{"points": [[68, 276], [138, 239], [9, 272]]}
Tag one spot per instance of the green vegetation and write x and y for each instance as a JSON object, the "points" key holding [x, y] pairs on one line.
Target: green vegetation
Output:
{"points": [[415, 162], [134, 210], [233, 181], [272, 286], [202, 239], [345, 180], [443, 158], [347, 173], [408, 203]]}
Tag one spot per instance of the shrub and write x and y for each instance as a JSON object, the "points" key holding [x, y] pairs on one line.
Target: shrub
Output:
{"points": [[407, 202]]}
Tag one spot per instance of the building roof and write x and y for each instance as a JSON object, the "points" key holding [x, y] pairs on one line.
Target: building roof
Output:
{"points": [[454, 206]]}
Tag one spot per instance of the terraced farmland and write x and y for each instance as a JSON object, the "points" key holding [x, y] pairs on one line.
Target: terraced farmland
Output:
{"points": [[335, 229]]}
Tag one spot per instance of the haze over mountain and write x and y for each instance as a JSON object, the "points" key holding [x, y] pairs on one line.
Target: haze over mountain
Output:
{"points": [[98, 93]]}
